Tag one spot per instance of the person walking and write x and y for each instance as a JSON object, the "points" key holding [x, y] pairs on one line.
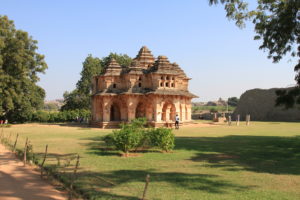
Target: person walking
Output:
{"points": [[176, 122]]}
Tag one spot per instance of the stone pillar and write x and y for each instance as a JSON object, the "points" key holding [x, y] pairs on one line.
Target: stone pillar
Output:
{"points": [[183, 110], [168, 112], [177, 109], [106, 109], [131, 107], [189, 110], [157, 111]]}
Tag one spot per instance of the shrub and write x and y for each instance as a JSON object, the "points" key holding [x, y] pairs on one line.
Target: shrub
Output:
{"points": [[132, 136], [163, 138]]}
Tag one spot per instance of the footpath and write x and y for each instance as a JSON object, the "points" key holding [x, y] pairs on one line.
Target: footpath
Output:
{"points": [[23, 183]]}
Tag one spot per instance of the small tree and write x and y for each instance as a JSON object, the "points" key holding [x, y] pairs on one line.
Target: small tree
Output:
{"points": [[163, 138], [130, 135]]}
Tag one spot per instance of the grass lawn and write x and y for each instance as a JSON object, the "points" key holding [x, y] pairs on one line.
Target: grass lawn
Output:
{"points": [[261, 161]]}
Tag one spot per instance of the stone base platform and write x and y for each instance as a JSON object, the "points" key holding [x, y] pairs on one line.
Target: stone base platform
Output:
{"points": [[116, 124]]}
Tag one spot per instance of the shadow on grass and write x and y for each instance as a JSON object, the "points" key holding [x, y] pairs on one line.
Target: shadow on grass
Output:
{"points": [[105, 182], [277, 155], [266, 154], [83, 126], [98, 147]]}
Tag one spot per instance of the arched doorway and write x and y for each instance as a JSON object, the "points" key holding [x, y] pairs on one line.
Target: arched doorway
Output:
{"points": [[144, 109], [168, 112], [140, 110], [115, 113]]}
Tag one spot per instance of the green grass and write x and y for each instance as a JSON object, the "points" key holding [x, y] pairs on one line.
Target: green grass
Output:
{"points": [[261, 161]]}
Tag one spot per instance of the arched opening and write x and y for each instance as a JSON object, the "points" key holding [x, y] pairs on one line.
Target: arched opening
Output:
{"points": [[140, 84], [115, 113], [140, 111], [168, 112]]}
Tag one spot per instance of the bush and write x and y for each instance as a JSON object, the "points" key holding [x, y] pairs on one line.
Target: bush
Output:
{"points": [[132, 136], [163, 138]]}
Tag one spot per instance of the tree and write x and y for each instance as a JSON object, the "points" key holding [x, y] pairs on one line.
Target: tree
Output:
{"points": [[92, 66], [232, 101], [123, 59], [19, 68], [277, 24]]}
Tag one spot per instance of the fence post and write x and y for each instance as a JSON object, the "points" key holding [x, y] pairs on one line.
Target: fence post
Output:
{"points": [[229, 120], [45, 156], [248, 119], [73, 178], [238, 120], [14, 148], [25, 151], [146, 187]]}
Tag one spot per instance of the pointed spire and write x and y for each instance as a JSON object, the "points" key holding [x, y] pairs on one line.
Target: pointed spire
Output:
{"points": [[145, 57], [163, 60], [113, 68], [113, 64]]}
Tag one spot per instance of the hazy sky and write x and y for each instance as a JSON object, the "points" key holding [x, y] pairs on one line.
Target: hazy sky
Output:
{"points": [[222, 60]]}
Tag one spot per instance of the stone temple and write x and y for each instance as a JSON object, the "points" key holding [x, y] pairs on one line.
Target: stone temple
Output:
{"points": [[152, 88]]}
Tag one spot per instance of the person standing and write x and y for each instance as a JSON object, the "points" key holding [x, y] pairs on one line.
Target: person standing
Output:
{"points": [[176, 122]]}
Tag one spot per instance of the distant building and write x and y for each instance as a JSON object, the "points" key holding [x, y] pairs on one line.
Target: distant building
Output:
{"points": [[155, 89]]}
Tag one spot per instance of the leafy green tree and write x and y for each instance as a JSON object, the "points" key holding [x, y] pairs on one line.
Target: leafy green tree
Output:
{"points": [[19, 68], [80, 97], [91, 67], [233, 101], [123, 59], [277, 24]]}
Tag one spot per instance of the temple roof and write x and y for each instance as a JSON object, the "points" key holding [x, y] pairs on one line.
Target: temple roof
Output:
{"points": [[163, 66], [145, 58], [113, 68]]}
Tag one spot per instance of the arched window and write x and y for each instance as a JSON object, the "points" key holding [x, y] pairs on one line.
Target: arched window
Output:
{"points": [[140, 78], [114, 85], [173, 85], [161, 84], [173, 78], [167, 84], [168, 78], [162, 78], [140, 84]]}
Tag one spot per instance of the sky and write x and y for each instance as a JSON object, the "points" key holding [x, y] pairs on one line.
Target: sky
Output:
{"points": [[221, 59]]}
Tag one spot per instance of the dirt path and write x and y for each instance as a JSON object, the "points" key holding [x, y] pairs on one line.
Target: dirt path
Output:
{"points": [[23, 183]]}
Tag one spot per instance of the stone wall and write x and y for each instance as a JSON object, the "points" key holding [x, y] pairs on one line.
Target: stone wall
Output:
{"points": [[260, 104]]}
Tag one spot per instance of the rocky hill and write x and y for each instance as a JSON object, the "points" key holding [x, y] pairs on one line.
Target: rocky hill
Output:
{"points": [[260, 104]]}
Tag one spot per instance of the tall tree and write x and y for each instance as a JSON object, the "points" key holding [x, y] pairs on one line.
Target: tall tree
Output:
{"points": [[277, 24], [80, 97], [232, 101], [19, 68]]}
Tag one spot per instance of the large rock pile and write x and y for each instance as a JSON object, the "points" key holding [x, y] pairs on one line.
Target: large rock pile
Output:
{"points": [[260, 104]]}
